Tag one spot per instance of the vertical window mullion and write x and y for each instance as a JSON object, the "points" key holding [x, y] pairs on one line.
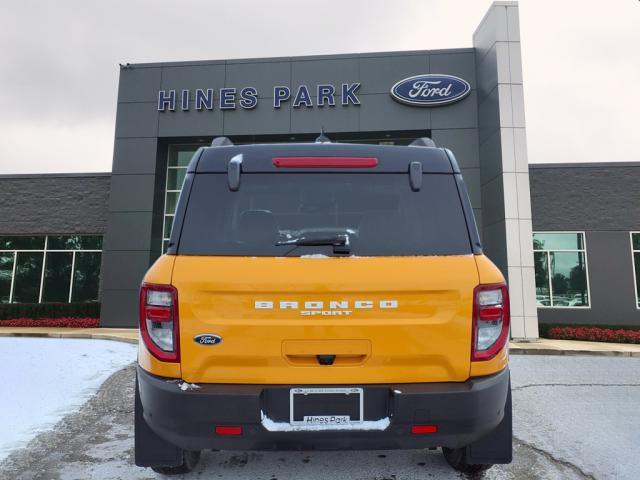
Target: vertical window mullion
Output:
{"points": [[13, 275], [585, 269], [164, 212], [549, 278], [636, 273], [164, 207], [73, 271], [44, 264]]}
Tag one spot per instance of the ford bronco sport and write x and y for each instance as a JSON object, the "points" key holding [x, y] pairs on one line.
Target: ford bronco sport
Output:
{"points": [[323, 296]]}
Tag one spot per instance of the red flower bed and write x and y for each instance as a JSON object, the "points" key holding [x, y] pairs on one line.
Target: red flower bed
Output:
{"points": [[595, 334], [51, 322]]}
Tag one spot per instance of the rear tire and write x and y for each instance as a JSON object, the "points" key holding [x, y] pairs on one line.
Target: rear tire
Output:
{"points": [[189, 462], [457, 459]]}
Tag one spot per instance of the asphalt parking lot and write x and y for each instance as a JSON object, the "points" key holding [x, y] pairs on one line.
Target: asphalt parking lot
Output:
{"points": [[574, 418]]}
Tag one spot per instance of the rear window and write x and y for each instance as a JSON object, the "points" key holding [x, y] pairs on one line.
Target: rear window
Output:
{"points": [[379, 213]]}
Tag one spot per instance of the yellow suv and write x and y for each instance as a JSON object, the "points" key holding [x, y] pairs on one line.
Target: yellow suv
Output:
{"points": [[323, 296]]}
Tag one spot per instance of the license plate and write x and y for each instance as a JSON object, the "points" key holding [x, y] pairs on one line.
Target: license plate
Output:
{"points": [[330, 407]]}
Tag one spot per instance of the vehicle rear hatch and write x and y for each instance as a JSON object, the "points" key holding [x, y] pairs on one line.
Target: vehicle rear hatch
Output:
{"points": [[392, 305], [426, 338]]}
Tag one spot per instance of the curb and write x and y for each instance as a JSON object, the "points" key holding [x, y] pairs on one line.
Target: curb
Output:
{"points": [[591, 353], [92, 336], [512, 351]]}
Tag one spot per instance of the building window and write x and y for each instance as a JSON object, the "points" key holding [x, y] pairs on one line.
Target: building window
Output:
{"points": [[635, 249], [51, 268], [179, 158], [562, 278]]}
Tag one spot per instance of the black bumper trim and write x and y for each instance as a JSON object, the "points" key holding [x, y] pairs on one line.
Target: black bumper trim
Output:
{"points": [[464, 412]]}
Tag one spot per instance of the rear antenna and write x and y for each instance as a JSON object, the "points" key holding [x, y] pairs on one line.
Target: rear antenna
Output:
{"points": [[323, 138]]}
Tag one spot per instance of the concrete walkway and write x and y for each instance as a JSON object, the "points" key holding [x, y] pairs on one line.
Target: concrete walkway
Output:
{"points": [[542, 346], [129, 335]]}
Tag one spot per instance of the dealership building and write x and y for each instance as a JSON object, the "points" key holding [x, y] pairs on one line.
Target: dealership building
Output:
{"points": [[566, 236]]}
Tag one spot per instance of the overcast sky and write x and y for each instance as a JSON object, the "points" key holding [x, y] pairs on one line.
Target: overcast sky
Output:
{"points": [[59, 63]]}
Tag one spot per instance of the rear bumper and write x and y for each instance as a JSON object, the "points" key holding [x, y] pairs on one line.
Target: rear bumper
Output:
{"points": [[463, 412]]}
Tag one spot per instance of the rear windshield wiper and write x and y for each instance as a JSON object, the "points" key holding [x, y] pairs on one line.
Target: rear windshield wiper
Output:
{"points": [[340, 243]]}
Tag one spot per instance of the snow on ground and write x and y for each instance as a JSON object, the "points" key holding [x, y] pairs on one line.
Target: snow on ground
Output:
{"points": [[574, 418], [581, 410], [45, 378]]}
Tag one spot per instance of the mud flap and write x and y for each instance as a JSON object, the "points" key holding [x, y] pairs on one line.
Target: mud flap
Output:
{"points": [[497, 446], [150, 449]]}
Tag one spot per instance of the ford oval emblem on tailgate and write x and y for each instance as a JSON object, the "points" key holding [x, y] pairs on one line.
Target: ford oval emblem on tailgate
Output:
{"points": [[430, 90], [207, 339]]}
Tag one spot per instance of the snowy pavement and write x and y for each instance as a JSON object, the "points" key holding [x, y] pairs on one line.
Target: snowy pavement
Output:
{"points": [[583, 411], [574, 418], [45, 378]]}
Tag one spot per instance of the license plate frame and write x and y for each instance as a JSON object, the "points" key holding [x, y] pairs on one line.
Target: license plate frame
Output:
{"points": [[320, 391]]}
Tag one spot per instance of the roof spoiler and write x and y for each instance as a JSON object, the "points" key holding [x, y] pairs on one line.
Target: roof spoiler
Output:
{"points": [[221, 142], [423, 142]]}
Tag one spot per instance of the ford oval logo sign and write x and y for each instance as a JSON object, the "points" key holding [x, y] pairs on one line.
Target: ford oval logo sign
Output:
{"points": [[207, 339], [430, 90]]}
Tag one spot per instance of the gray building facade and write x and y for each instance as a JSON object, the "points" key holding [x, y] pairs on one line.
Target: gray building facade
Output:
{"points": [[54, 203], [51, 231], [601, 202], [165, 107]]}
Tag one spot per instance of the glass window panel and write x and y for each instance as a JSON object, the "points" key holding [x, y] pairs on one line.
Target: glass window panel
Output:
{"points": [[6, 271], [172, 201], [557, 241], [568, 279], [91, 242], [165, 245], [168, 221], [379, 212], [635, 238], [636, 259], [86, 277], [57, 277], [21, 242], [180, 155], [543, 298], [26, 285], [175, 177], [74, 242]]}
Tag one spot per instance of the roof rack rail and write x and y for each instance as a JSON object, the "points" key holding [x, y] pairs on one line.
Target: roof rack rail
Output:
{"points": [[221, 142], [423, 142], [234, 169]]}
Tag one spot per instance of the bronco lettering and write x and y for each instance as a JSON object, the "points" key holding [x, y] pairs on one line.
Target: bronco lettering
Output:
{"points": [[319, 305]]}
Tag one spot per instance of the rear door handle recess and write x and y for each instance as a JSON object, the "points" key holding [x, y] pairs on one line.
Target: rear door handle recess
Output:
{"points": [[336, 353]]}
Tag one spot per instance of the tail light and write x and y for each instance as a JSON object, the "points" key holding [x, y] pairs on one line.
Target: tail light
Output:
{"points": [[224, 430], [424, 429], [490, 321], [159, 321]]}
